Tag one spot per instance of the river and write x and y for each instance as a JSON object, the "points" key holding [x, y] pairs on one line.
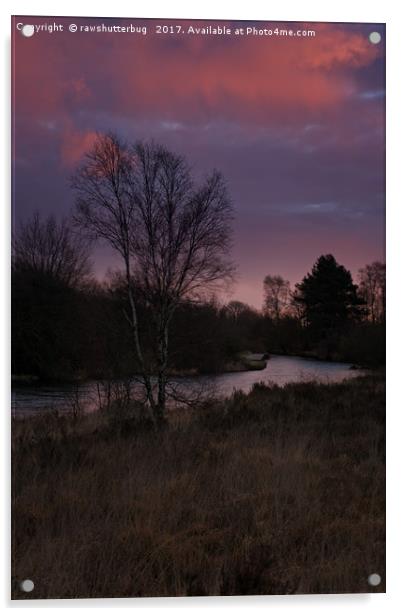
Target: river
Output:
{"points": [[280, 370]]}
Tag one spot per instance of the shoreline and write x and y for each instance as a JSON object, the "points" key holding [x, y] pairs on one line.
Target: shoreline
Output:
{"points": [[231, 367]]}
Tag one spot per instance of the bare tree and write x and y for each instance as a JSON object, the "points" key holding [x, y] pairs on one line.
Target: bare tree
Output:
{"points": [[50, 248], [236, 309], [372, 288], [173, 236], [276, 296]]}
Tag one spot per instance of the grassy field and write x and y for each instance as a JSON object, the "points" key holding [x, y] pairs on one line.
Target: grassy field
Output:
{"points": [[278, 491]]}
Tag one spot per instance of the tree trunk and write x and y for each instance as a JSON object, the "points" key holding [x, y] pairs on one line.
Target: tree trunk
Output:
{"points": [[162, 368], [137, 346]]}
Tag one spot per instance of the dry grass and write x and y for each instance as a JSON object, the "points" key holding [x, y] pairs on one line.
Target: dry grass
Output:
{"points": [[280, 491]]}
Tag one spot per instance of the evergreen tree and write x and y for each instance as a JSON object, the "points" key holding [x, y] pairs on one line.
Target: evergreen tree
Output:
{"points": [[328, 296]]}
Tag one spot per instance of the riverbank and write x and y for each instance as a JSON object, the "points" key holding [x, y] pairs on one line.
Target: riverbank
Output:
{"points": [[244, 363], [333, 358], [88, 396], [277, 491], [241, 363]]}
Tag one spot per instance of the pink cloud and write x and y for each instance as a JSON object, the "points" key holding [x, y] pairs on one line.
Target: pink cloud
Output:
{"points": [[252, 78], [74, 144]]}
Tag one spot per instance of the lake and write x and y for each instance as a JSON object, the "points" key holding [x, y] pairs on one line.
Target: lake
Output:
{"points": [[280, 370]]}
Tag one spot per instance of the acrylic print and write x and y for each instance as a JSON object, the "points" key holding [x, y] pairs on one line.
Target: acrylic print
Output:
{"points": [[198, 308]]}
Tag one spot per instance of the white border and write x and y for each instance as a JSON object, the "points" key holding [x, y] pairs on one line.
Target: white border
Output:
{"points": [[296, 10]]}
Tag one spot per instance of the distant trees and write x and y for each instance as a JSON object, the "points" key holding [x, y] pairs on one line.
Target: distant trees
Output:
{"points": [[46, 247], [328, 316], [49, 267], [174, 239], [372, 288], [244, 328], [276, 297], [328, 296], [173, 236], [236, 310], [62, 332]]}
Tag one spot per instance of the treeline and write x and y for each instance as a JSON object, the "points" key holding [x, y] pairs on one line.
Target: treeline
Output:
{"points": [[327, 315], [62, 332], [66, 325]]}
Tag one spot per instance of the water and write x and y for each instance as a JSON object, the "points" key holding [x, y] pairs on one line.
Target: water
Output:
{"points": [[279, 370]]}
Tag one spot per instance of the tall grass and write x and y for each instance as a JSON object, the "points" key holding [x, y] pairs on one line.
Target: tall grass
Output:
{"points": [[278, 491]]}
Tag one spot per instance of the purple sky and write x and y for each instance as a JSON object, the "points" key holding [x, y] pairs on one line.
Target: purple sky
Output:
{"points": [[296, 125]]}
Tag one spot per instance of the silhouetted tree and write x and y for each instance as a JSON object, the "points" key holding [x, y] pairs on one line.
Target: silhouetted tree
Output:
{"points": [[243, 326], [372, 288], [328, 296], [276, 293], [173, 236], [236, 309], [51, 249], [49, 268]]}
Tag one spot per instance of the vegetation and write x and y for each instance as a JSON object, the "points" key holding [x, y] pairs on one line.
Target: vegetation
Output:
{"points": [[278, 491], [76, 331], [277, 297], [328, 297], [372, 288], [172, 236], [159, 315]]}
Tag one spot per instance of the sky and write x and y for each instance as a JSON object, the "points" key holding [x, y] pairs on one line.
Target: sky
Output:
{"points": [[295, 124]]}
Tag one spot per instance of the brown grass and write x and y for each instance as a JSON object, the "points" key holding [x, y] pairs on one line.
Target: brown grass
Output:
{"points": [[278, 491]]}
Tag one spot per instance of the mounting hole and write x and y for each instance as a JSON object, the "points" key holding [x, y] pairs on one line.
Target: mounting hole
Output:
{"points": [[374, 579], [375, 38], [27, 586], [28, 30]]}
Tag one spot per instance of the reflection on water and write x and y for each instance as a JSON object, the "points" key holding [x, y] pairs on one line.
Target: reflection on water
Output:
{"points": [[279, 370]]}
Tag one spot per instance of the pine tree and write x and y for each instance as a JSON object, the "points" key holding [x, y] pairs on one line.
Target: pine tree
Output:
{"points": [[328, 296]]}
